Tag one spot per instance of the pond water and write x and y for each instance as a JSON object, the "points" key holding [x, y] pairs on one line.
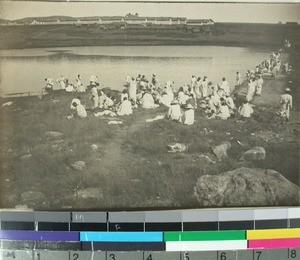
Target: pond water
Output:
{"points": [[25, 70]]}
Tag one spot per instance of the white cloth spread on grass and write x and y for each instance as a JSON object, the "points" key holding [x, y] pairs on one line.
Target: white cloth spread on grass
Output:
{"points": [[155, 118], [115, 122]]}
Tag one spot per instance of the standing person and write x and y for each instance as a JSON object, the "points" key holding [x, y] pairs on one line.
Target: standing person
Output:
{"points": [[197, 88], [286, 102], [49, 84], [238, 78], [93, 80], [132, 91], [225, 86], [204, 87], [79, 85], [95, 97], [62, 82], [251, 89], [259, 84]]}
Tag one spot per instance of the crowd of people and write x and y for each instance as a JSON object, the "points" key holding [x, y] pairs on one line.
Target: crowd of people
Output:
{"points": [[218, 101]]}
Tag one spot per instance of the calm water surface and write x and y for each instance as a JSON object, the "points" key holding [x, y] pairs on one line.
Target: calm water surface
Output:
{"points": [[25, 70]]}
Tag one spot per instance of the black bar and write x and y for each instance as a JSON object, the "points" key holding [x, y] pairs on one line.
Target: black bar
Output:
{"points": [[271, 223], [200, 226], [169, 226], [53, 226], [295, 223], [236, 225], [124, 246], [88, 227], [126, 227], [7, 225]]}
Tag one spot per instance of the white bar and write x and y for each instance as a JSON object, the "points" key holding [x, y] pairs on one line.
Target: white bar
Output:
{"points": [[294, 213], [280, 213], [207, 245]]}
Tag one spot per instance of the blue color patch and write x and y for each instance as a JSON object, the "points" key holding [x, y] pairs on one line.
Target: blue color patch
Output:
{"points": [[122, 236]]}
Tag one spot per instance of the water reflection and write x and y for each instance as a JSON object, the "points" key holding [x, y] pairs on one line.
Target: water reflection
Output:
{"points": [[25, 70]]}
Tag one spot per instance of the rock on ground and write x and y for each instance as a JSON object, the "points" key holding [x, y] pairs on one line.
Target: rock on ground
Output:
{"points": [[255, 154], [33, 198], [79, 165], [246, 187], [177, 147], [53, 134], [89, 193], [221, 150]]}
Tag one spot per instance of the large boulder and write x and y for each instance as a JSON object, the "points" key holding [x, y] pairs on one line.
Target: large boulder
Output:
{"points": [[221, 150], [246, 187], [255, 154]]}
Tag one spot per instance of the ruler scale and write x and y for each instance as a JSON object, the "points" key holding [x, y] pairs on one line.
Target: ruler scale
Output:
{"points": [[211, 234]]}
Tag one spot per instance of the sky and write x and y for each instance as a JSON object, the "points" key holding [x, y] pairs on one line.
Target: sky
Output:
{"points": [[219, 12]]}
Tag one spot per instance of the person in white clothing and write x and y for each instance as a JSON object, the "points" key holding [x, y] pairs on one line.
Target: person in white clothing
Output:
{"points": [[223, 112], [132, 90], [286, 104], [147, 101], [62, 82], [238, 78], [259, 84], [174, 112], [182, 97], [125, 108], [251, 90], [225, 85], [81, 112], [79, 85], [245, 110], [75, 100], [95, 97], [189, 115], [93, 80]]}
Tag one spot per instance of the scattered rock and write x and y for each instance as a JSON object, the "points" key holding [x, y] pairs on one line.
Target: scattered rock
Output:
{"points": [[79, 165], [26, 157], [33, 197], [221, 150], [89, 193], [53, 134], [24, 206], [94, 147], [255, 154], [206, 159], [246, 187], [177, 147]]}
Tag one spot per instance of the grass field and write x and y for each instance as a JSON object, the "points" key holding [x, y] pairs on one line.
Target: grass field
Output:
{"points": [[132, 167]]}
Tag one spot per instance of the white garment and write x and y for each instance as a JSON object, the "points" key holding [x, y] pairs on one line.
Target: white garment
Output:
{"points": [[69, 88], [260, 82], [286, 102], [224, 112], [245, 110], [225, 86], [132, 90], [251, 91], [147, 101], [167, 98], [95, 97], [189, 116], [81, 112], [62, 83], [174, 112], [125, 108], [108, 102], [182, 98], [93, 79], [204, 88]]}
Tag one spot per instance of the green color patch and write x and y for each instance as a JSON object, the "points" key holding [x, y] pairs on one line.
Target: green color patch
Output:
{"points": [[205, 235]]}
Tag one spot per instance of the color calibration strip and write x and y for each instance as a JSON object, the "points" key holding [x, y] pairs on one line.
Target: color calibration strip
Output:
{"points": [[216, 234], [166, 241]]}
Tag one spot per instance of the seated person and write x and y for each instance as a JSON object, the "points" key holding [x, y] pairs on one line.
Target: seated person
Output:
{"points": [[223, 112], [245, 110], [189, 115], [81, 112], [125, 108], [174, 112]]}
